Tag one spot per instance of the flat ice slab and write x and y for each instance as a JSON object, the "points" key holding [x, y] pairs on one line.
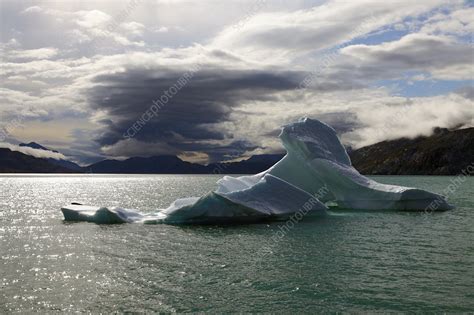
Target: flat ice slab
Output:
{"points": [[315, 170]]}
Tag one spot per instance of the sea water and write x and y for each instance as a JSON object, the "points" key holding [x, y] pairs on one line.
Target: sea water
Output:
{"points": [[346, 261]]}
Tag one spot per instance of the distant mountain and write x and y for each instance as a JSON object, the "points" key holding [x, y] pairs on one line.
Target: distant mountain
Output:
{"points": [[63, 163], [66, 164], [165, 164], [17, 162], [253, 165], [444, 153], [169, 164]]}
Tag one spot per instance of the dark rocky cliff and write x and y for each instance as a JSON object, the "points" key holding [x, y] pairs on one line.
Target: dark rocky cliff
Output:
{"points": [[444, 153]]}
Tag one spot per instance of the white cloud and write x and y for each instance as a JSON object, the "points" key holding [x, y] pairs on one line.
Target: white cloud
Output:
{"points": [[29, 54], [33, 152], [458, 22], [133, 28], [85, 26], [100, 27], [32, 9], [162, 29], [92, 19], [283, 35], [411, 118]]}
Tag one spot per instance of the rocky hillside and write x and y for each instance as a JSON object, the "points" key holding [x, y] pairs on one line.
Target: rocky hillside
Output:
{"points": [[17, 162], [444, 153]]}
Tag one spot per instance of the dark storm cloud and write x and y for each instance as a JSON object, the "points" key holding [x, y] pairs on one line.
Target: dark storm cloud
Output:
{"points": [[187, 121]]}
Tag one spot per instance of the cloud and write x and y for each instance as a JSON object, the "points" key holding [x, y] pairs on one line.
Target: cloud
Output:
{"points": [[92, 19], [161, 29], [361, 116], [393, 118], [442, 56], [186, 122], [81, 149], [133, 28], [283, 35], [29, 54], [86, 26], [43, 154], [100, 27], [457, 22], [32, 9], [89, 63], [467, 92]]}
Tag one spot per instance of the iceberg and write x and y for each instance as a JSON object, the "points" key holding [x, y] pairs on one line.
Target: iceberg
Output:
{"points": [[315, 172]]}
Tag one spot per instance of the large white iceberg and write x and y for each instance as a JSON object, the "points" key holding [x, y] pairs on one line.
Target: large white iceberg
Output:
{"points": [[315, 171]]}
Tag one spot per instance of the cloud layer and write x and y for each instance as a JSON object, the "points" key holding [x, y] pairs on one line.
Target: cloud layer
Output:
{"points": [[374, 70]]}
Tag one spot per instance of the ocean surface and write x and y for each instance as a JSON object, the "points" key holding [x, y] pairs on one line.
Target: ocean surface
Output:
{"points": [[347, 261]]}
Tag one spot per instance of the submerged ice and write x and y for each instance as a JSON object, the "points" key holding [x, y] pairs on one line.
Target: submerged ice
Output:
{"points": [[315, 171]]}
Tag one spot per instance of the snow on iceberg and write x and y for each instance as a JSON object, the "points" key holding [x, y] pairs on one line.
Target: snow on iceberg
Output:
{"points": [[316, 170]]}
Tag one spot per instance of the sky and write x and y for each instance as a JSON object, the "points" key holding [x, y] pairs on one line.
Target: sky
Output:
{"points": [[214, 80]]}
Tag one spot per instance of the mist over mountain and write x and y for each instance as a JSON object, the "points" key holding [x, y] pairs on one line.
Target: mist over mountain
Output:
{"points": [[59, 162], [17, 162], [443, 153], [35, 145]]}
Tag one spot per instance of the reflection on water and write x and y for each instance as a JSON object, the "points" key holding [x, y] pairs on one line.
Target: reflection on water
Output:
{"points": [[364, 261]]}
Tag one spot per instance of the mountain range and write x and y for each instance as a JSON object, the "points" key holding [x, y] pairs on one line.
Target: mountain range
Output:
{"points": [[443, 153], [169, 164]]}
